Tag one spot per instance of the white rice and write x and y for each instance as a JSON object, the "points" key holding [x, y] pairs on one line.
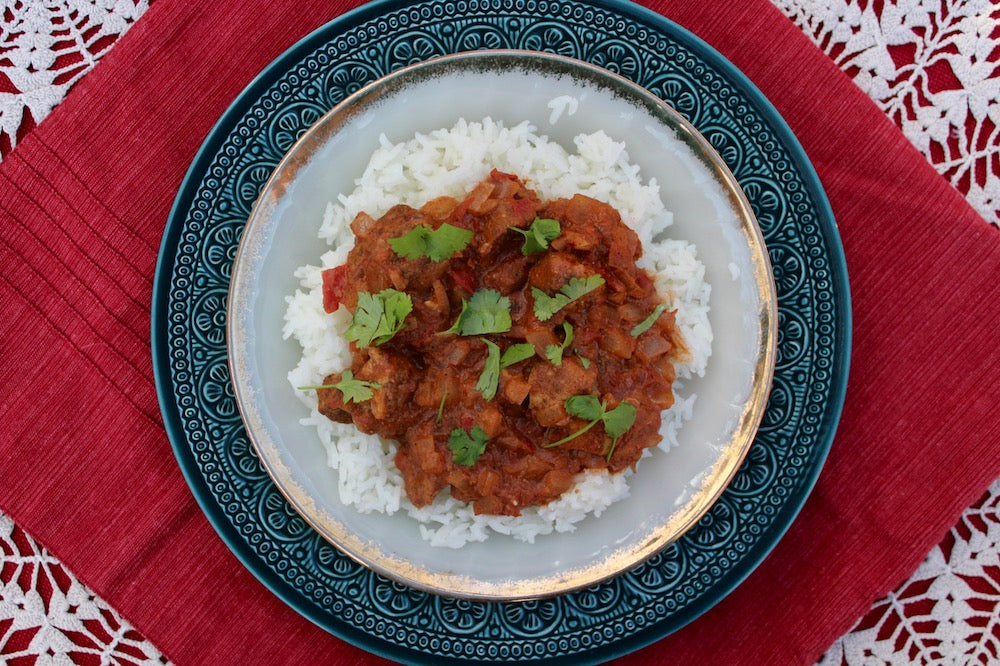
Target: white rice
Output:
{"points": [[450, 162]]}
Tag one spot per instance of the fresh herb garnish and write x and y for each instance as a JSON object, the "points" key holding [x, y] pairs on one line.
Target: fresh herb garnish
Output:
{"points": [[617, 422], [354, 390], [517, 353], [555, 352], [546, 306], [436, 244], [444, 396], [584, 361], [489, 379], [589, 408], [466, 447], [586, 407], [538, 235], [486, 311], [378, 317], [648, 322]]}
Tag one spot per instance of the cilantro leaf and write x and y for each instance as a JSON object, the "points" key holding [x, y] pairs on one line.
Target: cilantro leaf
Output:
{"points": [[538, 235], [617, 422], [489, 380], [456, 328], [486, 311], [446, 240], [356, 390], [411, 245], [555, 352], [546, 306], [466, 447], [584, 361], [366, 319], [378, 317], [590, 408], [577, 287], [586, 407], [648, 322], [436, 244], [516, 354]]}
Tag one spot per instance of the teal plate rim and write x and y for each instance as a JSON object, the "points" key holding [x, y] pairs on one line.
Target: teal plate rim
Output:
{"points": [[823, 314]]}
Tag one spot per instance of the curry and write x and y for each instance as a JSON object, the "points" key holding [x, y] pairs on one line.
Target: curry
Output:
{"points": [[506, 343]]}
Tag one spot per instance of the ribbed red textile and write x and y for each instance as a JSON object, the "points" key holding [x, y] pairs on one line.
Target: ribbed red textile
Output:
{"points": [[88, 470]]}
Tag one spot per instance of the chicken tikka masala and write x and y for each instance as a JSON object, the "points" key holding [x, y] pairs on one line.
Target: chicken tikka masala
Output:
{"points": [[506, 343]]}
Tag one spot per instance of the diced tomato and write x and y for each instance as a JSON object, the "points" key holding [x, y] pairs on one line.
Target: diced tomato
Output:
{"points": [[611, 280], [497, 174], [463, 277], [333, 287], [524, 208]]}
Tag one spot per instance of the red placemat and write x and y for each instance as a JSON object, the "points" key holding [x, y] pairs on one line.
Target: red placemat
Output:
{"points": [[90, 473]]}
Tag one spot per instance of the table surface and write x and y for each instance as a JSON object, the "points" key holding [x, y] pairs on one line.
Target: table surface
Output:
{"points": [[933, 67]]}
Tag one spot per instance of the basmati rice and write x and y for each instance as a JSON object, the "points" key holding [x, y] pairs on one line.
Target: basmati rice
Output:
{"points": [[449, 162]]}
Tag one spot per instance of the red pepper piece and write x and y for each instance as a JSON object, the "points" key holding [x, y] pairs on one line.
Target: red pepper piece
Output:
{"points": [[333, 287], [464, 278]]}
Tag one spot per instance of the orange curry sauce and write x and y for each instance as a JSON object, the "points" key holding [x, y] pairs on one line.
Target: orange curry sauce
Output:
{"points": [[427, 381]]}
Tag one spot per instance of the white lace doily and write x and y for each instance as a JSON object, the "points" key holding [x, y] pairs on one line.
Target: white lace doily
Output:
{"points": [[947, 612], [45, 47], [48, 617], [931, 65]]}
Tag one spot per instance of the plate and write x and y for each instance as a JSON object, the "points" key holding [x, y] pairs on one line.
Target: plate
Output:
{"points": [[398, 621], [672, 490]]}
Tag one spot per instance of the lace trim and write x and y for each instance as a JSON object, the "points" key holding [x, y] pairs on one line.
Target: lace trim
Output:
{"points": [[47, 616], [932, 67], [46, 47]]}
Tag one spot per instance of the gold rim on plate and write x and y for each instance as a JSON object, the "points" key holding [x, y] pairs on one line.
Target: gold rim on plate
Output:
{"points": [[453, 583]]}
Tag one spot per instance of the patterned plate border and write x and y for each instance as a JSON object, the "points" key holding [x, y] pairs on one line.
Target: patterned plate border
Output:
{"points": [[615, 617]]}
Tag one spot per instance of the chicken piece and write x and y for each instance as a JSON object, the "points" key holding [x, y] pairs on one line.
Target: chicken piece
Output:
{"points": [[372, 265], [424, 467], [551, 385], [555, 270], [514, 387], [397, 377], [584, 219]]}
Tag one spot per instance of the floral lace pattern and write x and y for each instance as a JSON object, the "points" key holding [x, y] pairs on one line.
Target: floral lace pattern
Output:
{"points": [[45, 47], [947, 612], [48, 617], [931, 65]]}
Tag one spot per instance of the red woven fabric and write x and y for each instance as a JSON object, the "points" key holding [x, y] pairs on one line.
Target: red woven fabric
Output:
{"points": [[88, 471]]}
